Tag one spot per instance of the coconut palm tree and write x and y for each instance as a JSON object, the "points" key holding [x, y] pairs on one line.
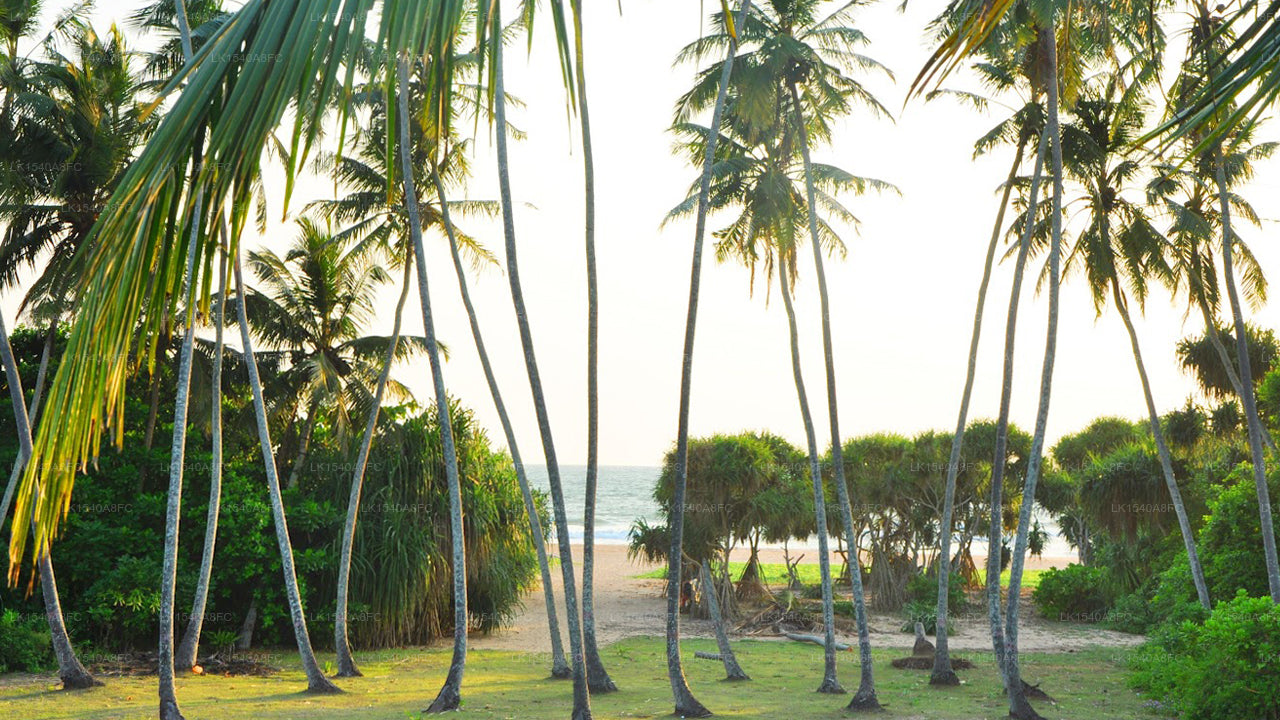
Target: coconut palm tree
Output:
{"points": [[598, 680], [450, 695], [581, 697], [686, 705], [1019, 707], [130, 286], [316, 681], [1120, 247], [364, 172], [314, 303]]}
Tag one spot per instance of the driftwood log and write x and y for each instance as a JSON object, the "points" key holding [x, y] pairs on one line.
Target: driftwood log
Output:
{"points": [[708, 656], [816, 640]]}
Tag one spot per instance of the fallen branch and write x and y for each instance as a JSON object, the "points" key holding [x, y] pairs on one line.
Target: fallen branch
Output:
{"points": [[708, 656], [815, 640]]}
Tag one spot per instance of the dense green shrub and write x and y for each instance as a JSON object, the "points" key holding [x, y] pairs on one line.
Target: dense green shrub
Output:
{"points": [[1225, 669], [1230, 542], [24, 643], [924, 588], [1075, 593]]}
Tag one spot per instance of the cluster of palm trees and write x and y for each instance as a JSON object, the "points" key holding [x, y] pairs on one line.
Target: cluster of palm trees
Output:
{"points": [[145, 243]]}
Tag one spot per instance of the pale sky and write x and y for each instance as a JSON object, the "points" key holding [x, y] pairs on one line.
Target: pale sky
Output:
{"points": [[902, 300]]}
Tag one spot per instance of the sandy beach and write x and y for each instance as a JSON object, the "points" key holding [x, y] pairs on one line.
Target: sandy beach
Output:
{"points": [[628, 606]]}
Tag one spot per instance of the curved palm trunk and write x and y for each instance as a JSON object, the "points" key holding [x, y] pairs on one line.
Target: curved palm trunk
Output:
{"points": [[19, 464], [732, 670], [308, 429], [450, 695], [1166, 462], [995, 533], [686, 705], [598, 680], [1246, 375], [1018, 705], [559, 666], [316, 681], [942, 673], [189, 648], [829, 682], [177, 453], [865, 698], [581, 697], [346, 663], [73, 674]]}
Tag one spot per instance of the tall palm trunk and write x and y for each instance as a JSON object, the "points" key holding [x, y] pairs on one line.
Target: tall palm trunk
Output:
{"points": [[1166, 462], [830, 684], [598, 679], [177, 453], [316, 681], [995, 534], [1018, 705], [32, 416], [346, 663], [686, 704], [189, 648], [581, 697], [732, 670], [304, 448], [942, 672], [559, 666], [865, 698], [73, 674], [450, 695], [1246, 376]]}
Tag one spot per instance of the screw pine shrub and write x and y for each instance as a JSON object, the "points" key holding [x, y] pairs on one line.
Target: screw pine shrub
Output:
{"points": [[24, 643]]}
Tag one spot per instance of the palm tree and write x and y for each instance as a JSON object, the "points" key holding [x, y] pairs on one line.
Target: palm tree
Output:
{"points": [[450, 695], [190, 645], [732, 670], [598, 680], [581, 698], [70, 671], [316, 681], [1119, 245], [129, 286], [686, 705], [1018, 705], [365, 173]]}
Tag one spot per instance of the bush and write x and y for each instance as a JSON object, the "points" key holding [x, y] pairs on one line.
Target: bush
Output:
{"points": [[1226, 669], [24, 643], [1131, 614], [924, 589], [1076, 593]]}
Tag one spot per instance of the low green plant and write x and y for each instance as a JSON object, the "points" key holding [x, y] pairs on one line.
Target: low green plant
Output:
{"points": [[24, 643], [1075, 593], [1227, 668]]}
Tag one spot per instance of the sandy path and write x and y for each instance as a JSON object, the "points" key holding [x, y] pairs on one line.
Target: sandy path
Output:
{"points": [[627, 606]]}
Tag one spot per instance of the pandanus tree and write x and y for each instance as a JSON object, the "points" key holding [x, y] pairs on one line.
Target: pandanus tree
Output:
{"points": [[1120, 252]]}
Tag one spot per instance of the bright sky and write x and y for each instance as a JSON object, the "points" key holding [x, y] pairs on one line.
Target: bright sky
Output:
{"points": [[902, 301]]}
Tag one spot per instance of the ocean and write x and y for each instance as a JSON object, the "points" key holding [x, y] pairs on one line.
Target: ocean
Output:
{"points": [[625, 493]]}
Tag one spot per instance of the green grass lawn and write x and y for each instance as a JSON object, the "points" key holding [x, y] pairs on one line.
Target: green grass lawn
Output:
{"points": [[775, 574], [1088, 685]]}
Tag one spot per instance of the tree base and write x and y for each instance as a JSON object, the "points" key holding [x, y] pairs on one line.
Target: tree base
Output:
{"points": [[448, 699], [598, 680], [944, 678], [322, 686], [350, 672], [865, 701], [79, 680], [561, 671], [737, 675], [169, 711], [831, 686]]}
